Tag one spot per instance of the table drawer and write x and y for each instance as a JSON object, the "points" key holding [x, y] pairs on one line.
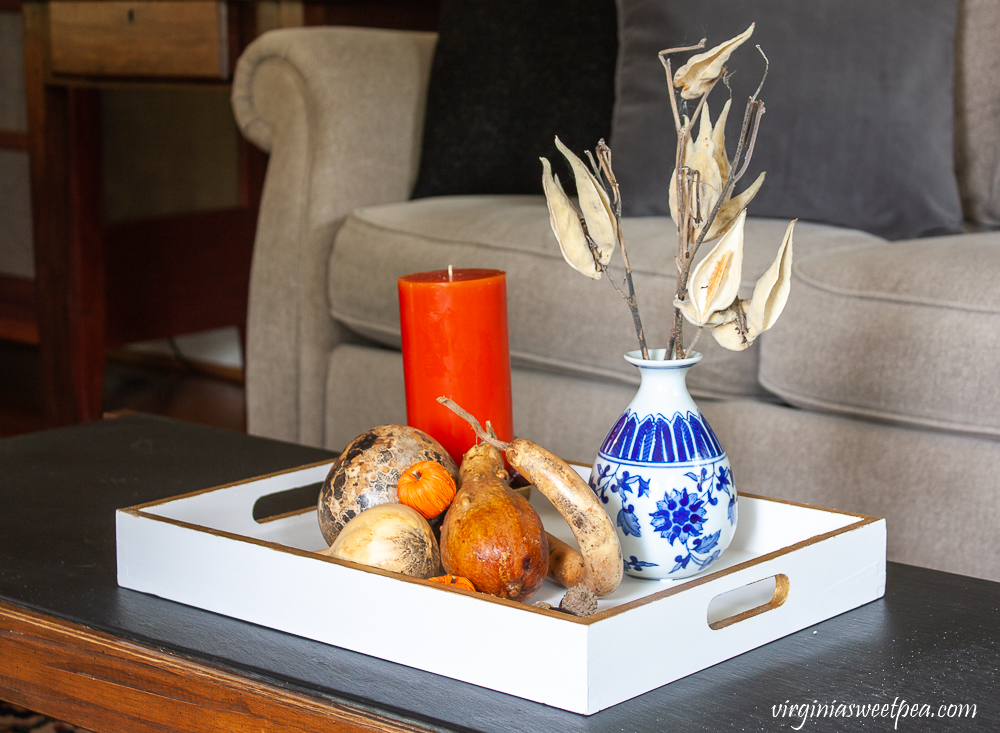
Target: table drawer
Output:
{"points": [[163, 38]]}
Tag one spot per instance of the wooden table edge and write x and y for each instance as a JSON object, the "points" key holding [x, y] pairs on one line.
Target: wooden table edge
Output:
{"points": [[98, 681]]}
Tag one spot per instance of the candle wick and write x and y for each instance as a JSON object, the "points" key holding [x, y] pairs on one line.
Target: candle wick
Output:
{"points": [[450, 274]]}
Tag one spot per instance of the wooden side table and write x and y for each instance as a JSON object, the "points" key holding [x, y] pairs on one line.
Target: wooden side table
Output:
{"points": [[100, 286]]}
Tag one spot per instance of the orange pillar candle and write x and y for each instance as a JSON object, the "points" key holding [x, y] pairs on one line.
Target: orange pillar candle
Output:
{"points": [[455, 344]]}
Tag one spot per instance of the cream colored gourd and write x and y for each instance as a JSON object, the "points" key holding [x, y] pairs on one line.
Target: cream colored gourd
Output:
{"points": [[392, 537], [601, 553]]}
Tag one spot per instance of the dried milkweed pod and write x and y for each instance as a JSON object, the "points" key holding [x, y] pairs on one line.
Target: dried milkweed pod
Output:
{"points": [[770, 294], [697, 76], [702, 164], [715, 281], [567, 226], [594, 205], [707, 156], [587, 236], [587, 240]]}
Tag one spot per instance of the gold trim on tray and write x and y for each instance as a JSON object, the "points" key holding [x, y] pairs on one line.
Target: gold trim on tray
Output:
{"points": [[779, 597], [781, 586], [197, 492]]}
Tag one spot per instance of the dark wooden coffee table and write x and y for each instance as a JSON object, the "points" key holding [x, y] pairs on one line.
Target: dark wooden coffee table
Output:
{"points": [[76, 646]]}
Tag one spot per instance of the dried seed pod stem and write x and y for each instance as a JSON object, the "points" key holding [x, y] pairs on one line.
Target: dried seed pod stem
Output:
{"points": [[697, 336], [588, 238], [688, 241], [700, 197]]}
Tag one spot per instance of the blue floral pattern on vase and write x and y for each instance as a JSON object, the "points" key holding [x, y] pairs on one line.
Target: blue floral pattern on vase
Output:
{"points": [[665, 481], [680, 516]]}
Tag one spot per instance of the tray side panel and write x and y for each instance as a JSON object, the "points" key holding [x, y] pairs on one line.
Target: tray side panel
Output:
{"points": [[357, 610], [230, 508], [660, 642]]}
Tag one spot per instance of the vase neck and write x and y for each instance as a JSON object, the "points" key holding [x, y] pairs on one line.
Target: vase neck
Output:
{"points": [[663, 387]]}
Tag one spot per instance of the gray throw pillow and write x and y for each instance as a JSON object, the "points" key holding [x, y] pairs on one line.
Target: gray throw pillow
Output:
{"points": [[858, 129]]}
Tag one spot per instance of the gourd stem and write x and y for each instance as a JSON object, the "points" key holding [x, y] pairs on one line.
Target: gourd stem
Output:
{"points": [[469, 418]]}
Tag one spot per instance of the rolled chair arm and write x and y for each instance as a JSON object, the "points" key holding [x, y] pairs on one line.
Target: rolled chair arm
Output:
{"points": [[340, 110]]}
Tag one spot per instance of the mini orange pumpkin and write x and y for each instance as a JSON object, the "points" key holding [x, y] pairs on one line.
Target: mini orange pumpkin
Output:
{"points": [[456, 580], [427, 487]]}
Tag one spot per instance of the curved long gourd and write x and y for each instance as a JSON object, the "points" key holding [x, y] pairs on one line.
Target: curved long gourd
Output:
{"points": [[579, 506], [565, 563]]}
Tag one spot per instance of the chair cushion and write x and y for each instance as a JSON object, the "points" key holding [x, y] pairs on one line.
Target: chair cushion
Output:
{"points": [[908, 333], [558, 319], [859, 98]]}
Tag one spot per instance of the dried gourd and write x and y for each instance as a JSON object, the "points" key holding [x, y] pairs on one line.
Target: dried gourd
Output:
{"points": [[366, 473], [491, 535], [392, 537], [600, 552]]}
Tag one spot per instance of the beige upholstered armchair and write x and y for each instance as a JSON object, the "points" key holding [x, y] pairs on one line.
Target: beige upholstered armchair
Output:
{"points": [[896, 413]]}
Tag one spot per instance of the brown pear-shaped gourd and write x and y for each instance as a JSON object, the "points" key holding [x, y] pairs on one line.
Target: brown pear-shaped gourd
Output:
{"points": [[491, 535]]}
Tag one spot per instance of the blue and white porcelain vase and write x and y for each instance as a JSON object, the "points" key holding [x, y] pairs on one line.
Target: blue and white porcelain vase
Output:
{"points": [[664, 478]]}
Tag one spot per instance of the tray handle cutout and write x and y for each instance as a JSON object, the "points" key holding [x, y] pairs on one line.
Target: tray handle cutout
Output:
{"points": [[269, 507], [749, 600]]}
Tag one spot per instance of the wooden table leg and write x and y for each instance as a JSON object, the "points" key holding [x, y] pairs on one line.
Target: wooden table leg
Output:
{"points": [[87, 292], [64, 143]]}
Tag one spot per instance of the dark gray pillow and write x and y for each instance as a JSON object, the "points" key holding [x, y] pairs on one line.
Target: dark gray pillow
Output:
{"points": [[859, 107], [507, 78]]}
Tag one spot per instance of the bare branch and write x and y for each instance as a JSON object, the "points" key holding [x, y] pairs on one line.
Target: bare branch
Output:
{"points": [[604, 157], [473, 423], [593, 165], [595, 251], [751, 121], [696, 190], [630, 299], [686, 200], [604, 166], [673, 96], [749, 145], [676, 343], [693, 342], [767, 65], [615, 285], [679, 49]]}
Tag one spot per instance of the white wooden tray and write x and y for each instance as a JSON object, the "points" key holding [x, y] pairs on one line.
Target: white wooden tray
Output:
{"points": [[788, 567]]}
